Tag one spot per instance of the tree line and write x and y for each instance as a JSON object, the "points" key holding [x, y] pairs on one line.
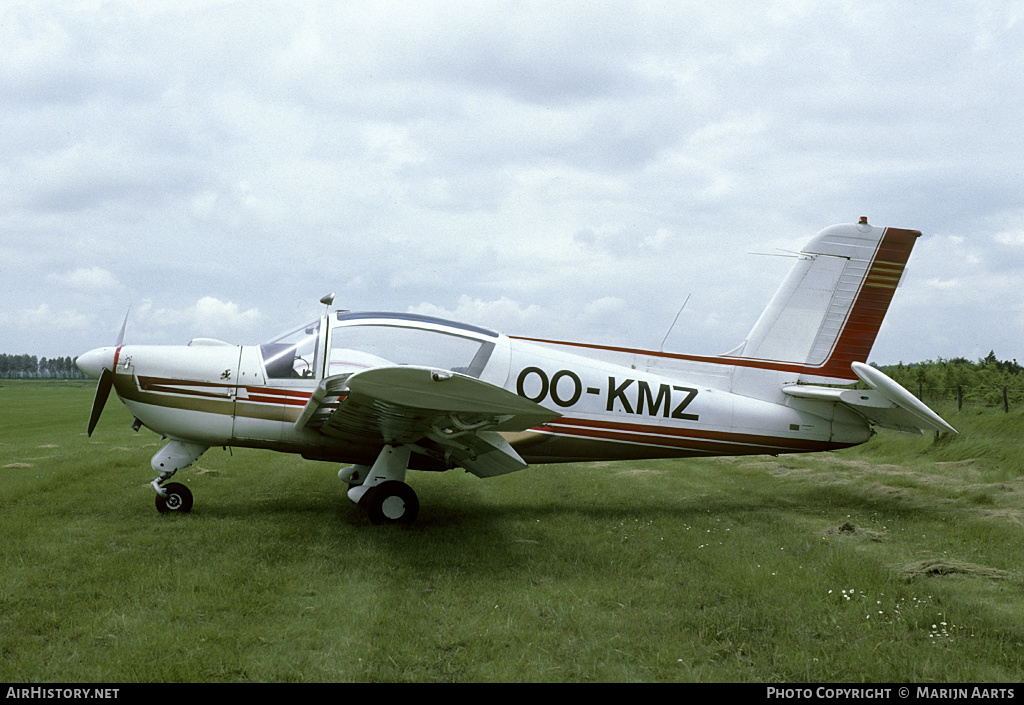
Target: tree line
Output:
{"points": [[33, 367], [988, 381]]}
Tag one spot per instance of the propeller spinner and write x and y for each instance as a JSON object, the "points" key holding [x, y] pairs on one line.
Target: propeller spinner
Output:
{"points": [[99, 364]]}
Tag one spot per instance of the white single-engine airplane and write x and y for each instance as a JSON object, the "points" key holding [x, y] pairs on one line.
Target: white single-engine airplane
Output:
{"points": [[389, 392]]}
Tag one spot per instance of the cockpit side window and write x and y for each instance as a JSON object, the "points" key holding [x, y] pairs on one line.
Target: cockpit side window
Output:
{"points": [[358, 347], [294, 355]]}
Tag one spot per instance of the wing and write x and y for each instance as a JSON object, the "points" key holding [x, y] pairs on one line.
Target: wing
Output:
{"points": [[443, 414], [886, 404]]}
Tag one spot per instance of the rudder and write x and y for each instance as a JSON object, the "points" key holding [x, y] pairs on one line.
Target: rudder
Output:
{"points": [[827, 313]]}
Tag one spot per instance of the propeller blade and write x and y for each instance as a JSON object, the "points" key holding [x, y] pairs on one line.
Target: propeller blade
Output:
{"points": [[120, 337], [102, 392]]}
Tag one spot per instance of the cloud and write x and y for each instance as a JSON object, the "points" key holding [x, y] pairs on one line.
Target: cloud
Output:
{"points": [[208, 317], [210, 312], [504, 314], [89, 280], [570, 169], [44, 318]]}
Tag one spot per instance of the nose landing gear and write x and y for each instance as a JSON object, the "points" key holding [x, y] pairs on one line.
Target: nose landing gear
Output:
{"points": [[174, 496]]}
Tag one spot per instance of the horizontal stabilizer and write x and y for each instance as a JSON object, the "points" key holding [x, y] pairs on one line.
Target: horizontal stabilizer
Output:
{"points": [[886, 404]]}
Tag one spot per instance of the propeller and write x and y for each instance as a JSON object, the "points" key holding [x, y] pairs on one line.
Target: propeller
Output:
{"points": [[100, 400], [100, 363]]}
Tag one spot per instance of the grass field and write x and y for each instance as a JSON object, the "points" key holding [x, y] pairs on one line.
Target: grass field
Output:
{"points": [[899, 561]]}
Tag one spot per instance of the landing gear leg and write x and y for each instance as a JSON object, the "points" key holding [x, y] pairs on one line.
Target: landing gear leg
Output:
{"points": [[384, 494], [173, 496]]}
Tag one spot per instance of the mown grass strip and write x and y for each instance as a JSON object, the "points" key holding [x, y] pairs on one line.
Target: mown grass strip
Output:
{"points": [[797, 568]]}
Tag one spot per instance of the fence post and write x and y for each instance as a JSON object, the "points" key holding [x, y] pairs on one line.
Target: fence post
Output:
{"points": [[1006, 402], [959, 397]]}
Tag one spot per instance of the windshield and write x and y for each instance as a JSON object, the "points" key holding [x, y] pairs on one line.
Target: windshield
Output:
{"points": [[372, 345], [293, 355]]}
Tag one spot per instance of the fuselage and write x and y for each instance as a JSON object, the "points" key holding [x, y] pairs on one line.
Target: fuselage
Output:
{"points": [[620, 407]]}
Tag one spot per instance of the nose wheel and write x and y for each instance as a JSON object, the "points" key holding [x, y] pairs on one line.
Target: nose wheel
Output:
{"points": [[176, 498]]}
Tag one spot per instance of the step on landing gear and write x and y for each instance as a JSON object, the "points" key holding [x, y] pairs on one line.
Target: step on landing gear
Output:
{"points": [[382, 493], [174, 496]]}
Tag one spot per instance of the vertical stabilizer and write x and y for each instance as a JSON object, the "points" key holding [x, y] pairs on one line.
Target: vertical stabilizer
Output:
{"points": [[828, 311]]}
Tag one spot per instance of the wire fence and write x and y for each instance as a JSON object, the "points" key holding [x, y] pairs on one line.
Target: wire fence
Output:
{"points": [[1002, 397]]}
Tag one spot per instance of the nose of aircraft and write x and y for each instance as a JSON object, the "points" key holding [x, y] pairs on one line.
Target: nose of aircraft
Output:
{"points": [[93, 362]]}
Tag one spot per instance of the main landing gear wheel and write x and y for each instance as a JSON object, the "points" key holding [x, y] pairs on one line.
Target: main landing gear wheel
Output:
{"points": [[391, 502], [178, 499]]}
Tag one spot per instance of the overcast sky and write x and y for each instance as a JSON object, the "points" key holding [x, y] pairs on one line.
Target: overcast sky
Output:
{"points": [[554, 169]]}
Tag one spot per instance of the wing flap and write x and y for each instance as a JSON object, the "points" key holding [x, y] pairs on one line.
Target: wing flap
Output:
{"points": [[487, 454]]}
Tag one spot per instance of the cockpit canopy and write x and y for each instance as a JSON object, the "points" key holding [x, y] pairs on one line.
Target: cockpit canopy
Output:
{"points": [[359, 341], [294, 354]]}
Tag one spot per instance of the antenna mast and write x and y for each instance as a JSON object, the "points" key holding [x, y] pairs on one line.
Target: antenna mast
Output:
{"points": [[662, 348]]}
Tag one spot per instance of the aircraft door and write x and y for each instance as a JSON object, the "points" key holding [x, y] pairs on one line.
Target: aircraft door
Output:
{"points": [[275, 382], [248, 380]]}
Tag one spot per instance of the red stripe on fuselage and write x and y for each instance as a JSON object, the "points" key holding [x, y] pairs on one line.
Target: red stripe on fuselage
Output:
{"points": [[697, 440], [264, 395], [272, 395]]}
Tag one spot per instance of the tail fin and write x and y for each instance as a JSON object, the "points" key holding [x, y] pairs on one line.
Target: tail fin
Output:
{"points": [[827, 312]]}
